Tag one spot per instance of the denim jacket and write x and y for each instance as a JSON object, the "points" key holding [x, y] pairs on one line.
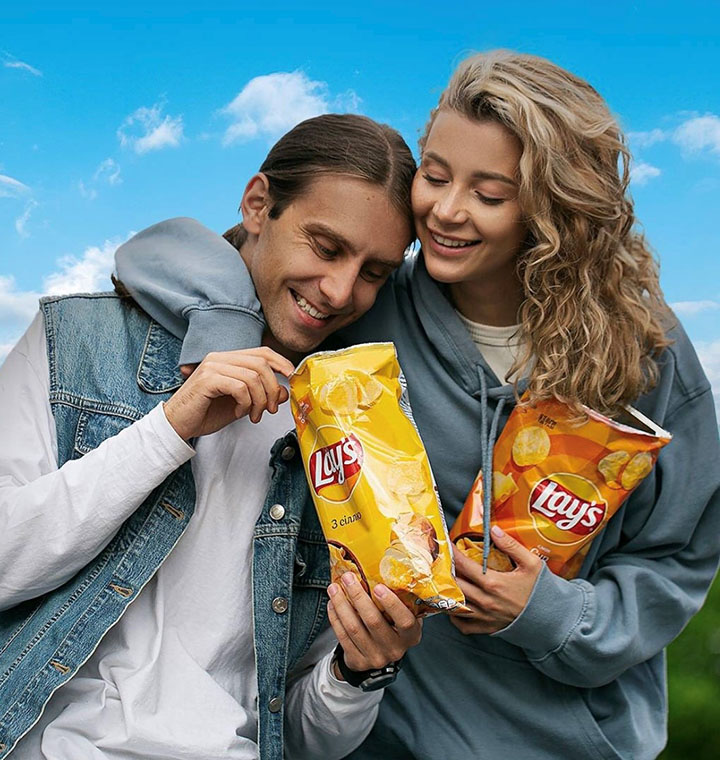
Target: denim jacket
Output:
{"points": [[92, 342]]}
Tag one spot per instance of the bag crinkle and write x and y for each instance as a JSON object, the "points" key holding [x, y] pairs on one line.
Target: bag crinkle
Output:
{"points": [[370, 477]]}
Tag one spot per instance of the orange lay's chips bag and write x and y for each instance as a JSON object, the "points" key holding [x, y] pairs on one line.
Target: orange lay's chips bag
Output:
{"points": [[370, 477], [556, 483]]}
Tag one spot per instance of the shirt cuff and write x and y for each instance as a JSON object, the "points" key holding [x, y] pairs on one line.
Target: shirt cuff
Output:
{"points": [[556, 607], [175, 448], [220, 328], [333, 687]]}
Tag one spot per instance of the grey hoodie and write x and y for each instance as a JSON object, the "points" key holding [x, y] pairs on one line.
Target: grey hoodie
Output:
{"points": [[580, 673]]}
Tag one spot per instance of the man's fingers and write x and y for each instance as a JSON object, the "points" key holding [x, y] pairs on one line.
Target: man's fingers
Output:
{"points": [[232, 362], [277, 362], [351, 622], [347, 643], [187, 369], [405, 623], [258, 397], [270, 382], [371, 616]]}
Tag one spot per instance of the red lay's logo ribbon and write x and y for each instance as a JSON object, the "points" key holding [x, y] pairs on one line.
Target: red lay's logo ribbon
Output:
{"points": [[565, 507], [335, 467]]}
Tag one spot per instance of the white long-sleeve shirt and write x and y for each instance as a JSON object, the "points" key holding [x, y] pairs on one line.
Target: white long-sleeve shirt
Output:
{"points": [[175, 677]]}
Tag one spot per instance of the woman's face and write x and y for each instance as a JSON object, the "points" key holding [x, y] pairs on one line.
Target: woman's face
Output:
{"points": [[465, 203]]}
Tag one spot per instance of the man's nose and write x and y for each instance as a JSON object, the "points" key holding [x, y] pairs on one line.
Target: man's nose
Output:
{"points": [[450, 207], [337, 286]]}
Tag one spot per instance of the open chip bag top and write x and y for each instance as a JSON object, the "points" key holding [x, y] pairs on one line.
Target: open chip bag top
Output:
{"points": [[370, 477], [557, 482]]}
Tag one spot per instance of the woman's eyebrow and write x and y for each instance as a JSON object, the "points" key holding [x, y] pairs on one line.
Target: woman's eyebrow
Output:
{"points": [[475, 175]]}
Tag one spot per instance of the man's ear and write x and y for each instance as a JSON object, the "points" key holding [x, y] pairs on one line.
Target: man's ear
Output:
{"points": [[256, 204]]}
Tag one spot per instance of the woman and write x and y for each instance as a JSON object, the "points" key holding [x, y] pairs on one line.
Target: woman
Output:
{"points": [[531, 272]]}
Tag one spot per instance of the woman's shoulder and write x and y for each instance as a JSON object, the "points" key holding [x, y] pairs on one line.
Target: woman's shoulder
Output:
{"points": [[681, 377], [686, 364]]}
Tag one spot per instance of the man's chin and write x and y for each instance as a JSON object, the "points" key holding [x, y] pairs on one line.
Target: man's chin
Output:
{"points": [[294, 347]]}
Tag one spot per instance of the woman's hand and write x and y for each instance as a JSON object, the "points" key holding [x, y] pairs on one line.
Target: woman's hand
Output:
{"points": [[495, 598], [226, 386], [368, 639]]}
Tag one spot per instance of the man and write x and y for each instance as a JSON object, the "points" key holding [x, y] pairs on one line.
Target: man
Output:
{"points": [[143, 568]]}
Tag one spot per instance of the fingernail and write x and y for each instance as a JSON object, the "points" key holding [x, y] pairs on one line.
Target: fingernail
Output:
{"points": [[332, 590], [381, 590], [497, 531], [348, 579]]}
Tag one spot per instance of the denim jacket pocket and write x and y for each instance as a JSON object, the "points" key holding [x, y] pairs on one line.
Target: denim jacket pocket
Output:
{"points": [[94, 427]]}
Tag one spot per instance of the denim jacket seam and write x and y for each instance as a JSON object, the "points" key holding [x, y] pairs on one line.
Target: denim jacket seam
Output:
{"points": [[93, 406]]}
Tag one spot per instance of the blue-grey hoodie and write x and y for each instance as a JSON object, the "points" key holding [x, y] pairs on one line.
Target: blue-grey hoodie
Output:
{"points": [[581, 672]]}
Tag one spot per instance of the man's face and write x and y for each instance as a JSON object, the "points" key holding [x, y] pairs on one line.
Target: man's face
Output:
{"points": [[320, 265]]}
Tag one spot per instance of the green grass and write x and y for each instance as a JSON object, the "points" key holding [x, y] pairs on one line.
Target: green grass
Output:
{"points": [[694, 686]]}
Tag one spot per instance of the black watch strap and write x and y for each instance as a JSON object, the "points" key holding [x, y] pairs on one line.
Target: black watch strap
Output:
{"points": [[367, 680]]}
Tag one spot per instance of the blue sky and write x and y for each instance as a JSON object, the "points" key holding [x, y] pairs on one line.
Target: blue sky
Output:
{"points": [[113, 120]]}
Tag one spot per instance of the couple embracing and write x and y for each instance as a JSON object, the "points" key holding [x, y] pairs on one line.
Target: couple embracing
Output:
{"points": [[163, 577]]}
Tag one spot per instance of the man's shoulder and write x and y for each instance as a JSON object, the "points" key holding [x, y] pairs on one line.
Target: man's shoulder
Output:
{"points": [[102, 305], [84, 298]]}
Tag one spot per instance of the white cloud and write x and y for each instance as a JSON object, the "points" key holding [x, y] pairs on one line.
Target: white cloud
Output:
{"points": [[146, 129], [646, 139], [709, 354], [693, 308], [17, 308], [11, 188], [698, 134], [641, 173], [22, 220], [87, 191], [109, 171], [271, 104], [15, 304], [23, 66], [87, 273]]}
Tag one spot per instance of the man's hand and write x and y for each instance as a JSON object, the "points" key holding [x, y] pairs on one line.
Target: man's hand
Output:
{"points": [[495, 598], [226, 386], [368, 639]]}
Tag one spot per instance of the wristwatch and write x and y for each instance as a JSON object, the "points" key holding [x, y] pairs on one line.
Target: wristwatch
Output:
{"points": [[367, 680]]}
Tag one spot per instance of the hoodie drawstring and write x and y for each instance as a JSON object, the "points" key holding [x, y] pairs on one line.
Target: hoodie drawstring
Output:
{"points": [[487, 445]]}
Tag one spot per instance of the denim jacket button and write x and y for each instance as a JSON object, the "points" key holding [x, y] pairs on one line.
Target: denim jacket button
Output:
{"points": [[277, 511], [279, 604], [287, 453], [275, 704]]}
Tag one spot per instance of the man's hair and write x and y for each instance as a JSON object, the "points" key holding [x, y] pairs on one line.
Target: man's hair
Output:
{"points": [[341, 144]]}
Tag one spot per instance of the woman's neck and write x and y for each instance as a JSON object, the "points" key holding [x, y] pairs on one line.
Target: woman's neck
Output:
{"points": [[489, 302]]}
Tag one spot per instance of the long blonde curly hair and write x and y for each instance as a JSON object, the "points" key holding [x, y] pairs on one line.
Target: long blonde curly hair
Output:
{"points": [[593, 316]]}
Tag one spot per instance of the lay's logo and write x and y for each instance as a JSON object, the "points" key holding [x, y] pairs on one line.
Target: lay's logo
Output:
{"points": [[566, 507], [335, 468]]}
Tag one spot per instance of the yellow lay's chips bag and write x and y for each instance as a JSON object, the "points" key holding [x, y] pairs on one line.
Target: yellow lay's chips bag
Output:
{"points": [[370, 477], [556, 483]]}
